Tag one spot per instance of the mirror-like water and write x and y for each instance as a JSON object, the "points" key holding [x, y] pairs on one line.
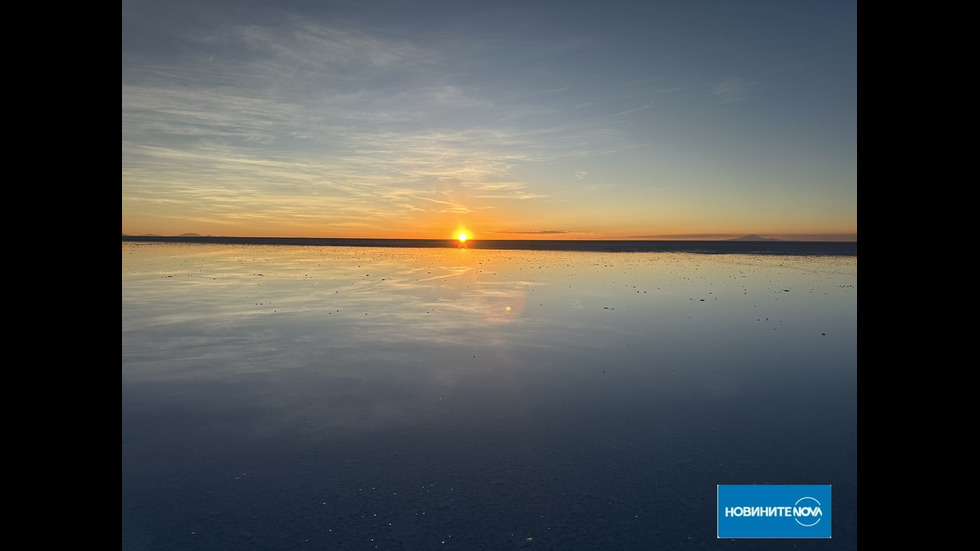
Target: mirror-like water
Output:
{"points": [[281, 397]]}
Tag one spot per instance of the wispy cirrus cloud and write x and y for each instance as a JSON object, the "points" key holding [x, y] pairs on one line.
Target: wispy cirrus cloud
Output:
{"points": [[289, 115], [278, 151], [296, 111]]}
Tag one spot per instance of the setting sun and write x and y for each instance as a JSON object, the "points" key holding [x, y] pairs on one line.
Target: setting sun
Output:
{"points": [[461, 237]]}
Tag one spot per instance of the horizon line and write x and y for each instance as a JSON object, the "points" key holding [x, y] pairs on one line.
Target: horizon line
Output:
{"points": [[809, 237]]}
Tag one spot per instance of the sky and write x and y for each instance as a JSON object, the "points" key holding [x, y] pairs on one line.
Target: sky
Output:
{"points": [[548, 119]]}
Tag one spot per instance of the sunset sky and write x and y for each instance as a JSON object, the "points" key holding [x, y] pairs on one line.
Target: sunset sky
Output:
{"points": [[511, 119]]}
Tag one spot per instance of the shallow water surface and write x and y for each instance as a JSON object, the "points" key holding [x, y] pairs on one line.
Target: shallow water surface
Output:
{"points": [[281, 397]]}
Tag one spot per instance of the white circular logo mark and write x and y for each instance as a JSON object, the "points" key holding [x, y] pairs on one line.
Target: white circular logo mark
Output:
{"points": [[807, 511]]}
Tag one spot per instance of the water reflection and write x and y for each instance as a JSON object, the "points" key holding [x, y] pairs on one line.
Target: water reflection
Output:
{"points": [[362, 398]]}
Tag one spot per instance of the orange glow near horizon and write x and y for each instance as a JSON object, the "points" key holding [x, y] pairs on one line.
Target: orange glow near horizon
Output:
{"points": [[462, 237], [486, 228]]}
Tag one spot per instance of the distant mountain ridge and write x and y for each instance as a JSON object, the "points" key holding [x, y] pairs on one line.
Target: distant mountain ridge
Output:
{"points": [[158, 235], [754, 237]]}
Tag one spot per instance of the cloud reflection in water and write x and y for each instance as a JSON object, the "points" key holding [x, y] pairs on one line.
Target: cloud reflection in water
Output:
{"points": [[616, 387]]}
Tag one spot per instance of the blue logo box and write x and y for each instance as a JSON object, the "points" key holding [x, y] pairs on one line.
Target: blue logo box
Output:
{"points": [[774, 511]]}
